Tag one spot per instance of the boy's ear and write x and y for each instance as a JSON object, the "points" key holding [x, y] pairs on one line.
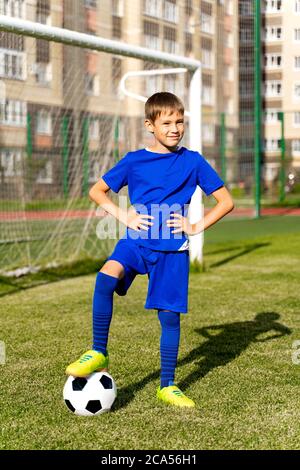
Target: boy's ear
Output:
{"points": [[149, 125]]}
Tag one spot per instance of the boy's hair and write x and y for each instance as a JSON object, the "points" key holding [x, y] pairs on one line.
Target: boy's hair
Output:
{"points": [[162, 101]]}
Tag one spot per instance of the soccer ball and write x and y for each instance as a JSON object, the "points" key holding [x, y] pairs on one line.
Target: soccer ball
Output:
{"points": [[90, 396]]}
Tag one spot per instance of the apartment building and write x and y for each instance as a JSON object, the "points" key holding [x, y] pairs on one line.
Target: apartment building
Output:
{"points": [[280, 38], [211, 29], [61, 102], [281, 63], [31, 78]]}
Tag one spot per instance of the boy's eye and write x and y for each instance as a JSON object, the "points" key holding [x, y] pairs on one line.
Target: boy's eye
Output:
{"points": [[167, 123]]}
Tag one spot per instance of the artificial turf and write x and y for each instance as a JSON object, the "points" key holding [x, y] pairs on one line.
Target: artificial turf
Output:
{"points": [[235, 361]]}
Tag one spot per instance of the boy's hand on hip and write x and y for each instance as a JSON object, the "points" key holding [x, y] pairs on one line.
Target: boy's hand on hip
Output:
{"points": [[138, 221], [181, 224]]}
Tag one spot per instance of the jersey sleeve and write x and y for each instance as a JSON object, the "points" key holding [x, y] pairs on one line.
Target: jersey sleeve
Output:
{"points": [[117, 176], [207, 178]]}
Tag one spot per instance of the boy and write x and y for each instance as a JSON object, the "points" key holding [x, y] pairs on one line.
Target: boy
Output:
{"points": [[161, 181]]}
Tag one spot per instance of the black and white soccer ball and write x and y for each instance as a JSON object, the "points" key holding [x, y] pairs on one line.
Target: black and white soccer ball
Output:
{"points": [[90, 396]]}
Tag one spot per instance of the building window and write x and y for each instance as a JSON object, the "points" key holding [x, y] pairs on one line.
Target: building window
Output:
{"points": [[11, 162], [44, 122], [188, 44], [273, 33], [12, 64], [94, 128], [152, 42], [170, 83], [246, 116], [207, 95], [46, 174], [16, 8], [246, 34], [12, 41], [246, 8], [247, 61], [170, 44], [245, 145], [297, 62], [94, 168], [152, 8], [272, 6], [13, 113], [297, 119], [43, 73], [297, 34], [92, 84], [207, 23], [208, 133], [246, 88], [297, 91], [42, 51], [207, 58], [118, 8], [297, 6], [188, 7], [116, 74], [43, 13], [272, 145], [273, 88], [271, 116], [273, 61], [296, 147], [170, 12], [116, 27], [151, 85], [151, 35], [90, 3]]}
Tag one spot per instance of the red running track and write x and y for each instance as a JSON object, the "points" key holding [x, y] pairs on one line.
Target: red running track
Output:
{"points": [[83, 214]]}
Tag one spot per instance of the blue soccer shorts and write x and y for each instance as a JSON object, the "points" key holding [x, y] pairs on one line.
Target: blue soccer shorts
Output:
{"points": [[168, 274]]}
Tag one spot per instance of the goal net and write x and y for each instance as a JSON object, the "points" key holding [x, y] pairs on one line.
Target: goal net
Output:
{"points": [[64, 122]]}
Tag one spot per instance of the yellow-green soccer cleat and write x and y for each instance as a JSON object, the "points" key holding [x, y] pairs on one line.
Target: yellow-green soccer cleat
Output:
{"points": [[91, 361], [172, 395]]}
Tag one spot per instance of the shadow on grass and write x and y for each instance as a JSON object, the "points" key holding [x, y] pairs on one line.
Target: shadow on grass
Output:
{"points": [[224, 343], [244, 251], [11, 285], [227, 341], [46, 276]]}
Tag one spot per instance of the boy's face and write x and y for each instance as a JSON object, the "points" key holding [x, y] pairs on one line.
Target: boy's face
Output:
{"points": [[168, 128]]}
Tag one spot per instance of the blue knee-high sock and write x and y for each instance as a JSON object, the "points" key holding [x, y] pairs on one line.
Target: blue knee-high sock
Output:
{"points": [[102, 310], [169, 344]]}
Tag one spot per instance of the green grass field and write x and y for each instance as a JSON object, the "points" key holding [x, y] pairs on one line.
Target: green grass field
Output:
{"points": [[235, 358]]}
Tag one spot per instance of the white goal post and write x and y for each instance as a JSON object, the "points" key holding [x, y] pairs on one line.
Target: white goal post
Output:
{"points": [[86, 41]]}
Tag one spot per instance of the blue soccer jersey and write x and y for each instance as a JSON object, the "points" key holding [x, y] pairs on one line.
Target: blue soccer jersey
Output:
{"points": [[160, 184]]}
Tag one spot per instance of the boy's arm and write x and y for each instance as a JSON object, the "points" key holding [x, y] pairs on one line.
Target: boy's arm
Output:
{"points": [[131, 219], [224, 206]]}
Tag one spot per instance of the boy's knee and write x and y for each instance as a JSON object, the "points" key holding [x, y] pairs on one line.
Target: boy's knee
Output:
{"points": [[113, 268]]}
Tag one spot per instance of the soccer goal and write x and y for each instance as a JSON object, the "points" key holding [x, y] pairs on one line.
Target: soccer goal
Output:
{"points": [[68, 118]]}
